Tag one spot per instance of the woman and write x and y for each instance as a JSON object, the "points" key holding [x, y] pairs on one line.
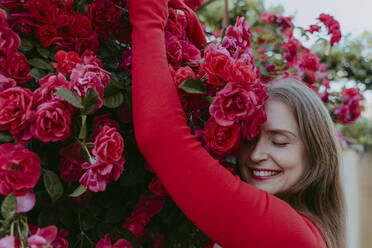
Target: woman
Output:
{"points": [[307, 210]]}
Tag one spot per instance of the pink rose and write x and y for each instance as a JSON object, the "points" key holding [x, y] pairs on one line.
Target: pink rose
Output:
{"points": [[100, 121], [241, 73], [52, 122], [84, 77], [48, 86], [6, 83], [3, 18], [232, 103], [268, 17], [19, 169], [15, 109], [157, 188], [309, 61], [108, 145], [70, 163], [216, 60], [25, 202], [252, 124], [99, 174], [176, 24], [182, 74], [66, 61], [17, 67], [60, 241], [9, 44], [174, 49], [43, 237], [7, 242], [106, 243], [222, 139], [190, 53]]}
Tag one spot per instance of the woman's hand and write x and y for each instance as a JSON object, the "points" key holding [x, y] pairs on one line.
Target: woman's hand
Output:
{"points": [[146, 13]]}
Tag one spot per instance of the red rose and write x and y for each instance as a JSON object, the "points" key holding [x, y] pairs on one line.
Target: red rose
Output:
{"points": [[66, 61], [9, 44], [233, 103], [309, 61], [290, 50], [216, 60], [123, 30], [15, 109], [52, 122], [137, 221], [19, 169], [22, 23], [349, 109], [106, 243], [43, 237], [194, 4], [6, 83], [87, 43], [176, 24], [46, 34], [252, 124], [152, 204], [17, 68], [313, 29], [82, 26], [70, 163], [108, 145], [42, 11], [221, 139], [157, 188], [48, 86], [64, 42], [104, 16], [64, 24]]}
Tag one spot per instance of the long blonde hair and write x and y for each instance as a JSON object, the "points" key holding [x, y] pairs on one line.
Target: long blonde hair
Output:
{"points": [[318, 194]]}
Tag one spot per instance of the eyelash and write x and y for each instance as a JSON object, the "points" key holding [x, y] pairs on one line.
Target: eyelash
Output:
{"points": [[280, 144]]}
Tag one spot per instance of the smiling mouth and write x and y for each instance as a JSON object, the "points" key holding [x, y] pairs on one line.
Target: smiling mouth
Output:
{"points": [[264, 174]]}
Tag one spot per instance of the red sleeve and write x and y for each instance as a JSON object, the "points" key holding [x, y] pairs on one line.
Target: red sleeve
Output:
{"points": [[231, 212]]}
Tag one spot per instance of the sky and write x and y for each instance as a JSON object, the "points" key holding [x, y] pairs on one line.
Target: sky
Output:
{"points": [[354, 15]]}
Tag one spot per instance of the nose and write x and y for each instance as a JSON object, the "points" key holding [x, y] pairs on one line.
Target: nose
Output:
{"points": [[259, 151]]}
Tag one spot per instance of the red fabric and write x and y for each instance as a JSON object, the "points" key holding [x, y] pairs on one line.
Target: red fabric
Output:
{"points": [[228, 210]]}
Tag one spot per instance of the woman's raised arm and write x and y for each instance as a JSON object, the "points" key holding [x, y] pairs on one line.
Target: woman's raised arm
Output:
{"points": [[229, 211]]}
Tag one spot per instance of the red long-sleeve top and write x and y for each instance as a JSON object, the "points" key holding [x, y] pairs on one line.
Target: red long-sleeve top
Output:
{"points": [[228, 210]]}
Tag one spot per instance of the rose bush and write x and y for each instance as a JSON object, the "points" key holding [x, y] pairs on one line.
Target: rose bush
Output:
{"points": [[71, 174]]}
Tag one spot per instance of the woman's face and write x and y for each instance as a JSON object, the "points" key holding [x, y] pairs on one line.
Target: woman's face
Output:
{"points": [[274, 160]]}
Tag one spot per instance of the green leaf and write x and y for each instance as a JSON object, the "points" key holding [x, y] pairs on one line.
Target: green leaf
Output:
{"points": [[37, 73], [78, 191], [193, 86], [41, 64], [9, 207], [43, 51], [90, 101], [52, 185], [113, 97], [69, 96], [26, 45], [5, 137]]}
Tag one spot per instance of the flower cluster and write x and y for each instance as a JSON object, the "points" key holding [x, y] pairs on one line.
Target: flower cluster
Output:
{"points": [[333, 27], [349, 109]]}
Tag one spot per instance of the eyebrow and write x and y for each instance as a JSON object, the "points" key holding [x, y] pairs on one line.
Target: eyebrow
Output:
{"points": [[281, 131]]}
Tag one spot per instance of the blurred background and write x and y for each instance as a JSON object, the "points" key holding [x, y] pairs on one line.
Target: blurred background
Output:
{"points": [[350, 65]]}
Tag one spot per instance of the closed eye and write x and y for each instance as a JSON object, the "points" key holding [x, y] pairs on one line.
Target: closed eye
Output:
{"points": [[280, 144]]}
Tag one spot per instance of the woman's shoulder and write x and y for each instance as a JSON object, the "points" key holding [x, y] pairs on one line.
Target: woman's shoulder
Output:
{"points": [[315, 230]]}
